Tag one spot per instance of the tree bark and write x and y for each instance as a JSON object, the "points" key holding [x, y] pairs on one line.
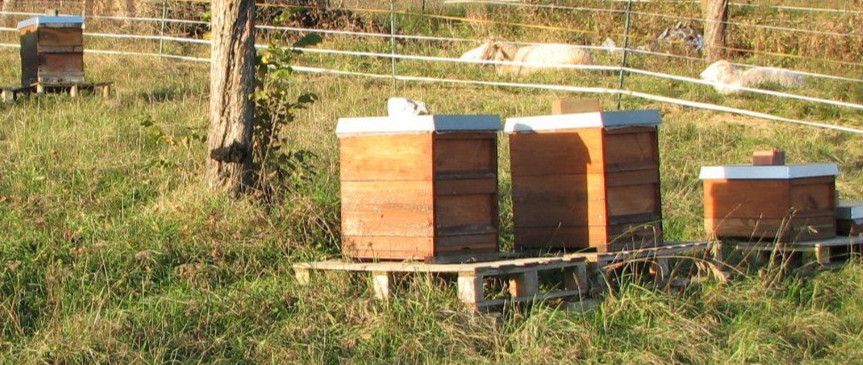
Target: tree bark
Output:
{"points": [[232, 82], [715, 18]]}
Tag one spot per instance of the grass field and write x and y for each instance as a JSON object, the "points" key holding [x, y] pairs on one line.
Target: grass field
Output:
{"points": [[112, 249]]}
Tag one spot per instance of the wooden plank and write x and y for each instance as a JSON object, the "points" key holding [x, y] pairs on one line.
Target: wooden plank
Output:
{"points": [[746, 198], [558, 200], [633, 199], [813, 197], [474, 153], [822, 254], [60, 64], [302, 275], [794, 229], [470, 289], [802, 245], [649, 174], [829, 180], [524, 285], [379, 195], [29, 57], [7, 95], [386, 157], [627, 145], [388, 248], [569, 238], [382, 284], [557, 153], [575, 279], [465, 210], [466, 244], [398, 221], [60, 37], [465, 186]]}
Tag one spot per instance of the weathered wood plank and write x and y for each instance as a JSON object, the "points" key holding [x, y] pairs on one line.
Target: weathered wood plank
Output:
{"points": [[403, 157]]}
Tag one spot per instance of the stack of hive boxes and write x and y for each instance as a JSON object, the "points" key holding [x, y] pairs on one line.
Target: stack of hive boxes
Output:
{"points": [[419, 187], [586, 179], [770, 200], [52, 50]]}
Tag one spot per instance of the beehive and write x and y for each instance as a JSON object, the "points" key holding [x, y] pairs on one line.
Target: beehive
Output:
{"points": [[586, 180], [786, 202], [418, 187], [849, 218], [52, 50]]}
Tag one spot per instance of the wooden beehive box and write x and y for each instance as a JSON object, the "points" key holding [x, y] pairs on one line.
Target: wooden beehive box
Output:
{"points": [[52, 50], [586, 180], [784, 202], [849, 218], [419, 187]]}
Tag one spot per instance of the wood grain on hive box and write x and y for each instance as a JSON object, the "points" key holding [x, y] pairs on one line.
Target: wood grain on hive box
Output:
{"points": [[418, 187], [586, 180], [790, 202]]}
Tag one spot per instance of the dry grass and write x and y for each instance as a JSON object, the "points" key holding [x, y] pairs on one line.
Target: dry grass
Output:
{"points": [[112, 250]]}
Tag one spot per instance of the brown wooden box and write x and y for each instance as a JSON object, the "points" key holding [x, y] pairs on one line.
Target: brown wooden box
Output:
{"points": [[586, 180], [419, 187], [849, 218], [52, 50], [787, 202]]}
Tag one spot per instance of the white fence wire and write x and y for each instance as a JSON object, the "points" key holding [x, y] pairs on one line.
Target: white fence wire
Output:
{"points": [[396, 56]]}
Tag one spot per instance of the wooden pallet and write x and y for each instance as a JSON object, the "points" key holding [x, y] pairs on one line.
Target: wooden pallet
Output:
{"points": [[583, 273], [601, 264], [828, 252], [10, 94], [521, 274]]}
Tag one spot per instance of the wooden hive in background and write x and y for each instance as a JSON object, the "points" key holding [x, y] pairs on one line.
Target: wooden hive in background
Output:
{"points": [[586, 180], [419, 187], [849, 218], [52, 50], [785, 202]]}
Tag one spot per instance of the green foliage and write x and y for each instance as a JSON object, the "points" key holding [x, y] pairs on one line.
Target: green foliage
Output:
{"points": [[277, 165]]}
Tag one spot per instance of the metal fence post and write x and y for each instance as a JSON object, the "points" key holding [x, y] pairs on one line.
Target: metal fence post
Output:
{"points": [[162, 30], [393, 42], [623, 72]]}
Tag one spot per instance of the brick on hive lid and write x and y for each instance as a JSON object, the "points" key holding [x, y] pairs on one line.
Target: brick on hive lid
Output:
{"points": [[771, 157]]}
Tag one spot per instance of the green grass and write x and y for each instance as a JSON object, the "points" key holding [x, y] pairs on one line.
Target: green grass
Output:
{"points": [[112, 249]]}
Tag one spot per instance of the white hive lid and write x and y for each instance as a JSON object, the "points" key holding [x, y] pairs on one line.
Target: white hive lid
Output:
{"points": [[46, 20], [780, 172], [418, 124], [849, 210], [621, 119]]}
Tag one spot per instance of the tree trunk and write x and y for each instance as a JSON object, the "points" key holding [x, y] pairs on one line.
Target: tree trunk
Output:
{"points": [[232, 81], [715, 18]]}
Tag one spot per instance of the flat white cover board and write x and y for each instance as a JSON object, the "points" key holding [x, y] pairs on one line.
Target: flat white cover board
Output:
{"points": [[621, 119], [784, 172], [44, 19], [417, 124]]}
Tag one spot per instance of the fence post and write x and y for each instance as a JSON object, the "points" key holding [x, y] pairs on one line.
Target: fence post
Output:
{"points": [[393, 41], [623, 63], [162, 30], [715, 18]]}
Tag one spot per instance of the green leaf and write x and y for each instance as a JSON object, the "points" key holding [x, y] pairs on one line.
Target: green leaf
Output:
{"points": [[311, 39]]}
